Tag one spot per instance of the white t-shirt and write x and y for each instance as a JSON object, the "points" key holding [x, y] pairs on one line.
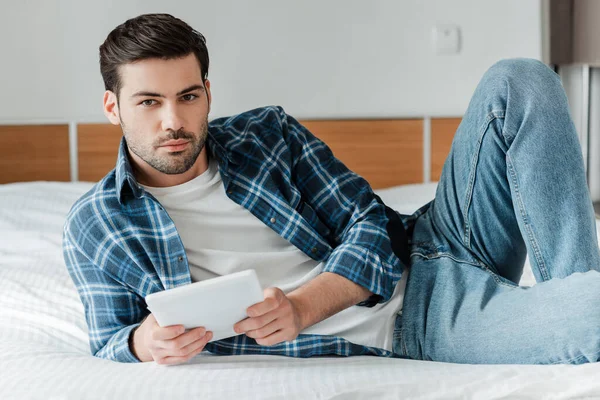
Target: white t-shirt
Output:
{"points": [[221, 237]]}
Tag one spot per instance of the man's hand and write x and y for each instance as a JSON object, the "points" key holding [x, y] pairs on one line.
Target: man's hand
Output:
{"points": [[168, 345], [276, 319]]}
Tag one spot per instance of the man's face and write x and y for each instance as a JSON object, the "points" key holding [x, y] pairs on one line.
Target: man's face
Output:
{"points": [[163, 111]]}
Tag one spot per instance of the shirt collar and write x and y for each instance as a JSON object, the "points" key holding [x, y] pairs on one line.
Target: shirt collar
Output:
{"points": [[125, 180]]}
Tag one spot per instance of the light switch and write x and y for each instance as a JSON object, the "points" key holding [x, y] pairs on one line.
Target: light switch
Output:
{"points": [[446, 39]]}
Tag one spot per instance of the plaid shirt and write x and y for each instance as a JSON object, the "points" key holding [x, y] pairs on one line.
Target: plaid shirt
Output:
{"points": [[120, 244]]}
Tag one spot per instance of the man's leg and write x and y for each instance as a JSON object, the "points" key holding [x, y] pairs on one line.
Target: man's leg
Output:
{"points": [[513, 183], [454, 312]]}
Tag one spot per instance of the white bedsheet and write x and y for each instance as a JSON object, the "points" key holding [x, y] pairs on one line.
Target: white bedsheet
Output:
{"points": [[44, 352]]}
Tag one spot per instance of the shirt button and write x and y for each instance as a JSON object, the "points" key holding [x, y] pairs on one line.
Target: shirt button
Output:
{"points": [[273, 220], [180, 258], [314, 250], [230, 192]]}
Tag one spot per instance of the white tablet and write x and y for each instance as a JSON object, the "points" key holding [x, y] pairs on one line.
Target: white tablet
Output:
{"points": [[216, 304]]}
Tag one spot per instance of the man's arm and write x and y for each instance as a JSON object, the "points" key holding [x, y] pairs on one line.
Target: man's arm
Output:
{"points": [[281, 318], [324, 296], [362, 268], [346, 204]]}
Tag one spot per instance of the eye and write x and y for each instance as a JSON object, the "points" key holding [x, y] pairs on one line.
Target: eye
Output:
{"points": [[189, 97], [148, 102]]}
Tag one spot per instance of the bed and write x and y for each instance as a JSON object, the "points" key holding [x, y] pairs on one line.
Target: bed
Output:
{"points": [[45, 354]]}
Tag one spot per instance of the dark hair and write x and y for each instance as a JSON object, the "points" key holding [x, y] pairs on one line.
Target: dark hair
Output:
{"points": [[149, 36]]}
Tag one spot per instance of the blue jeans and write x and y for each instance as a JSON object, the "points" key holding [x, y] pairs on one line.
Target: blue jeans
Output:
{"points": [[513, 184]]}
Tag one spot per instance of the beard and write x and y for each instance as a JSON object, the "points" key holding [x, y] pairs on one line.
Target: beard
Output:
{"points": [[172, 163]]}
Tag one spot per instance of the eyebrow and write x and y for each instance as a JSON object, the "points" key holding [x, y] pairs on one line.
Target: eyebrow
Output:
{"points": [[153, 94]]}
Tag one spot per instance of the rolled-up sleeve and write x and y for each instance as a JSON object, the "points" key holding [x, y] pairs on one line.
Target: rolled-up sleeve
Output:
{"points": [[345, 202]]}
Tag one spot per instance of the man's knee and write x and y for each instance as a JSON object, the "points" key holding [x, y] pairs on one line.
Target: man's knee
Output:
{"points": [[521, 67], [525, 78]]}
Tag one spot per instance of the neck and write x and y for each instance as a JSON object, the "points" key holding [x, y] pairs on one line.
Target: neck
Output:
{"points": [[148, 176]]}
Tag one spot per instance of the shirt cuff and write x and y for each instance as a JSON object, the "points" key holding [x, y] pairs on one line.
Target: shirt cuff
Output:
{"points": [[365, 268], [117, 348]]}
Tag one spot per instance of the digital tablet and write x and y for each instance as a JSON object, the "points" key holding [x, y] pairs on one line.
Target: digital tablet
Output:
{"points": [[216, 304]]}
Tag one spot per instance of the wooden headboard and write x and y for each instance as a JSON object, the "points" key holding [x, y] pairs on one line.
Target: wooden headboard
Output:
{"points": [[386, 152]]}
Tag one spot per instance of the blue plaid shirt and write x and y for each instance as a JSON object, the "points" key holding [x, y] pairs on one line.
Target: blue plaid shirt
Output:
{"points": [[120, 244]]}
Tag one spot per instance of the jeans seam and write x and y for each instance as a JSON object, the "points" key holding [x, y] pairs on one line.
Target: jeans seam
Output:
{"points": [[475, 264], [402, 334], [569, 361], [469, 195], [530, 235], [399, 336]]}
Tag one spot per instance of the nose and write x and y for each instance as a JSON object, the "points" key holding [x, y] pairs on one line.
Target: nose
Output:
{"points": [[171, 119]]}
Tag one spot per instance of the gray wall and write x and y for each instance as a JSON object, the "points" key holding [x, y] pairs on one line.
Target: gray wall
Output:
{"points": [[336, 58]]}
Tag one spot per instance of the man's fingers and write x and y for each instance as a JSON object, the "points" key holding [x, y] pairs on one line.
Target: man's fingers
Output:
{"points": [[273, 297], [262, 308], [182, 340], [166, 333], [273, 339], [265, 330], [250, 324], [188, 352], [196, 345]]}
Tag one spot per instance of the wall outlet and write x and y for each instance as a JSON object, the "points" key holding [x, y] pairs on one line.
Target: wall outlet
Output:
{"points": [[446, 39]]}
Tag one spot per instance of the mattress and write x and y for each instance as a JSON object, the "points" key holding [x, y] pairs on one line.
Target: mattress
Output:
{"points": [[44, 352]]}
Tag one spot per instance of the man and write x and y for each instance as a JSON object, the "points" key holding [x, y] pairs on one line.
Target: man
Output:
{"points": [[189, 200]]}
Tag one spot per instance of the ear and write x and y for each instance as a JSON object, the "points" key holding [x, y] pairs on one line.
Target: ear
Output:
{"points": [[208, 94], [111, 108]]}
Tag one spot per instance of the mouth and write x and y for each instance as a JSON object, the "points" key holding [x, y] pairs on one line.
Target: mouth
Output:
{"points": [[175, 145]]}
